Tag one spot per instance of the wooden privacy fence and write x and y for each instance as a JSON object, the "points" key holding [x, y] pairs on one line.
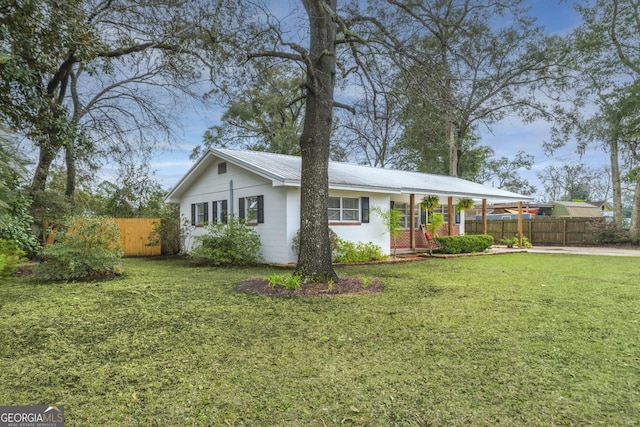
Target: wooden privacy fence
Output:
{"points": [[134, 236], [543, 231]]}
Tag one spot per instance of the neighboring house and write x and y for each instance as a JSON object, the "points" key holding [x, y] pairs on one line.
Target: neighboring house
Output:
{"points": [[605, 207], [576, 210], [264, 189]]}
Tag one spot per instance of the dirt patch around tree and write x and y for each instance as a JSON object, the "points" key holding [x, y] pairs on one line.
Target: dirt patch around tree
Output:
{"points": [[342, 286]]}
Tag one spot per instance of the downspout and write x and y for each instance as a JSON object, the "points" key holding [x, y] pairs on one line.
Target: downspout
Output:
{"points": [[231, 197]]}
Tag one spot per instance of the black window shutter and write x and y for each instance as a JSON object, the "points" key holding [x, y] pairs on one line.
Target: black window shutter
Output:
{"points": [[193, 214], [364, 209], [392, 204], [205, 216], [260, 209], [223, 214], [214, 211], [241, 208]]}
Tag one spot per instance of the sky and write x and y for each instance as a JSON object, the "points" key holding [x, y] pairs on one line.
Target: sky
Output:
{"points": [[506, 138]]}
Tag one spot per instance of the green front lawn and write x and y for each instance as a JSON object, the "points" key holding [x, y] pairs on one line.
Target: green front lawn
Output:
{"points": [[510, 340]]}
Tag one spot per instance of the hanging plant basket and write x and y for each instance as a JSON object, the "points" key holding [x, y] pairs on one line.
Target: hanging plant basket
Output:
{"points": [[465, 205], [429, 203]]}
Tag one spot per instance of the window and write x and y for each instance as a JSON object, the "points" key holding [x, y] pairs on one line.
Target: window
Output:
{"points": [[346, 209], [199, 213], [222, 168], [419, 215], [219, 213], [251, 209], [404, 214]]}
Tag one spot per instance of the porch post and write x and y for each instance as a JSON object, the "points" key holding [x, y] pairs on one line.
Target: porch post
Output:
{"points": [[484, 216], [412, 233], [452, 216], [520, 224]]}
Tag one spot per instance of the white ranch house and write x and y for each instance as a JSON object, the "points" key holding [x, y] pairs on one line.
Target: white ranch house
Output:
{"points": [[264, 189]]}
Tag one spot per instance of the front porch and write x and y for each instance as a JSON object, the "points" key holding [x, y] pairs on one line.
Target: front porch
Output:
{"points": [[412, 237]]}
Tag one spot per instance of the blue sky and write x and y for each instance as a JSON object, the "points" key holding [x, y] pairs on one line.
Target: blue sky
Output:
{"points": [[506, 138]]}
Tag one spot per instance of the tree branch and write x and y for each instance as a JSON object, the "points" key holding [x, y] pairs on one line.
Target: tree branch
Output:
{"points": [[349, 108]]}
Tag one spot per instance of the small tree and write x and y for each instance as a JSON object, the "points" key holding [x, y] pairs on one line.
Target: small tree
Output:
{"points": [[434, 222], [166, 232], [392, 218]]}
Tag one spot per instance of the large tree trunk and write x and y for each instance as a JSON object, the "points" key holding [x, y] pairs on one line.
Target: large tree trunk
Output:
{"points": [[41, 173], [70, 189], [453, 148], [616, 183], [314, 259], [634, 231]]}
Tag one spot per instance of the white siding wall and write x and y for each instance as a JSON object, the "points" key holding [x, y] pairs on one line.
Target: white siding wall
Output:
{"points": [[375, 231], [211, 186], [293, 221], [281, 211], [273, 231]]}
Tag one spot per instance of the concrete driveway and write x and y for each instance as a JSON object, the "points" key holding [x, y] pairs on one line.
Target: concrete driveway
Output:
{"points": [[576, 250]]}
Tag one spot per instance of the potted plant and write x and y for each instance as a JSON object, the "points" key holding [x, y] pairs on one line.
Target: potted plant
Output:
{"points": [[464, 205], [429, 203]]}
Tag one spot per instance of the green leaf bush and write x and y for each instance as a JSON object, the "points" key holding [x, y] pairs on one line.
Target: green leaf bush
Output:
{"points": [[87, 248], [350, 252], [346, 252], [15, 224], [464, 244], [232, 243], [10, 256]]}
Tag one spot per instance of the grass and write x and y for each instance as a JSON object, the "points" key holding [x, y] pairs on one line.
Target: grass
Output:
{"points": [[513, 340]]}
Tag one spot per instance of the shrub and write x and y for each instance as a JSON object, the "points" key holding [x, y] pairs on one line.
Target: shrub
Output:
{"points": [[512, 242], [15, 224], [232, 243], [526, 243], [604, 232], [392, 218], [349, 252], [464, 244], [10, 256], [166, 232], [90, 247]]}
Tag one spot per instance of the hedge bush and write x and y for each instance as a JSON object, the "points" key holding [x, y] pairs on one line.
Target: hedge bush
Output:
{"points": [[87, 248], [348, 252], [604, 232], [464, 244], [231, 243]]}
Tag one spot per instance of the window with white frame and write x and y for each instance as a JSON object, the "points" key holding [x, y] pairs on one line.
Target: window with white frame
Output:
{"points": [[405, 218], [344, 209]]}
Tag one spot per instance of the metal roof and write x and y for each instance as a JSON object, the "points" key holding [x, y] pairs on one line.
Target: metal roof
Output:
{"points": [[286, 170], [576, 210]]}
